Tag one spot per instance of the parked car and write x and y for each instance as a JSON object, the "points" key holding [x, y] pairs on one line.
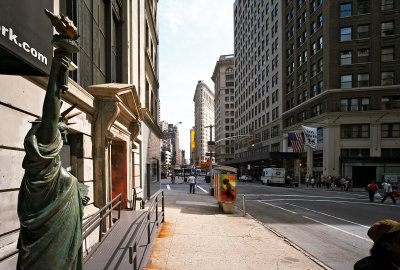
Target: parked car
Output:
{"points": [[246, 178]]}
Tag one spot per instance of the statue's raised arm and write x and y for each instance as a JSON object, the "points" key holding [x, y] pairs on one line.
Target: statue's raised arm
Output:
{"points": [[49, 202]]}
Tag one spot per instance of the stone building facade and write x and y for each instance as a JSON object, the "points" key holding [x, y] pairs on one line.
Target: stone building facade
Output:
{"points": [[223, 78], [342, 77], [114, 146]]}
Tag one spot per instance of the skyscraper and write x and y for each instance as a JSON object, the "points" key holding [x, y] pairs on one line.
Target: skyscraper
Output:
{"points": [[204, 118], [223, 78], [342, 77]]}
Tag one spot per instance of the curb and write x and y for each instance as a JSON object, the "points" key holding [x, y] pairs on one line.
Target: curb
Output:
{"points": [[287, 240]]}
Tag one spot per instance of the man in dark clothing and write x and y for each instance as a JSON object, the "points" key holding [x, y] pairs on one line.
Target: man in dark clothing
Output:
{"points": [[385, 253]]}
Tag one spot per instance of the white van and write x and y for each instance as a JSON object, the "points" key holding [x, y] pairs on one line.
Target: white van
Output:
{"points": [[273, 176]]}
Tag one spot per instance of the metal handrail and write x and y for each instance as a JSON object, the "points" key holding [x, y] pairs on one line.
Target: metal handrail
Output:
{"points": [[97, 219], [146, 222]]}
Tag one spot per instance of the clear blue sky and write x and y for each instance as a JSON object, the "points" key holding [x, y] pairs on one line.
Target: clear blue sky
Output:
{"points": [[193, 34]]}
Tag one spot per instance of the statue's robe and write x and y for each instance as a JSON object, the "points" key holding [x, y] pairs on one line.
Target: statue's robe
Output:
{"points": [[49, 208]]}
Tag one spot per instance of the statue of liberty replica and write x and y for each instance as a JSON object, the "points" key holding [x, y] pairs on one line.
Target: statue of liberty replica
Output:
{"points": [[50, 206]]}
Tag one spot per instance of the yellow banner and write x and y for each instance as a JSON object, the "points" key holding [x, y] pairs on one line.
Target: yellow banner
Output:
{"points": [[192, 145]]}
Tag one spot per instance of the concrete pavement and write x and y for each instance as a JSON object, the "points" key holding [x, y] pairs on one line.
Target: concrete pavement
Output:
{"points": [[197, 235]]}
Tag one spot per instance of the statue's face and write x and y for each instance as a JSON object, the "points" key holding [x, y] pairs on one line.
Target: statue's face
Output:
{"points": [[63, 128]]}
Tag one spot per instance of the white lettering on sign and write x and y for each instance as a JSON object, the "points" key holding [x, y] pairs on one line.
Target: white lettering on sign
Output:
{"points": [[10, 35]]}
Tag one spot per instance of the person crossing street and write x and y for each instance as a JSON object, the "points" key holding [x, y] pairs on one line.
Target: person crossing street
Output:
{"points": [[388, 192], [192, 182]]}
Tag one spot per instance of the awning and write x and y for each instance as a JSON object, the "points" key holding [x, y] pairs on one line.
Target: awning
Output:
{"points": [[262, 156]]}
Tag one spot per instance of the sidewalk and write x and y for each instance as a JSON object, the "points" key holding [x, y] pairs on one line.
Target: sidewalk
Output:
{"points": [[197, 235]]}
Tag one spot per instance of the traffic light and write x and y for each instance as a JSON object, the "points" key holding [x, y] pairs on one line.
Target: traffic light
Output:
{"points": [[251, 142]]}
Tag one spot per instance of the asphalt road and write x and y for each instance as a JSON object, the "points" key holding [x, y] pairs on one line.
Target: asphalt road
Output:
{"points": [[330, 225]]}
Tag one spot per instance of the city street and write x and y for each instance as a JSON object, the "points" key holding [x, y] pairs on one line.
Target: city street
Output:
{"points": [[330, 225]]}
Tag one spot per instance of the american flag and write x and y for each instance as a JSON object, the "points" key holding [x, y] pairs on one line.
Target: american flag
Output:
{"points": [[296, 139]]}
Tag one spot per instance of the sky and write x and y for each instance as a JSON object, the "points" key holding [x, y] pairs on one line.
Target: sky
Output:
{"points": [[192, 36]]}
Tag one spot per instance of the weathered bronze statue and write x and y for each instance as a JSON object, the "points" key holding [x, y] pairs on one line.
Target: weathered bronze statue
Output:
{"points": [[50, 204]]}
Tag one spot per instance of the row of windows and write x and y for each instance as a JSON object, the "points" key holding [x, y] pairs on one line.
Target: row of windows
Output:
{"points": [[346, 57], [363, 31], [346, 9], [363, 79], [346, 105]]}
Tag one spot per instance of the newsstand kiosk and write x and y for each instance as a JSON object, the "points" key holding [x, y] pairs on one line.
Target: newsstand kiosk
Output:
{"points": [[225, 187]]}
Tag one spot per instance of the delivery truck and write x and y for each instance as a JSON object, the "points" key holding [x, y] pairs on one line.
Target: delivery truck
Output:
{"points": [[273, 176]]}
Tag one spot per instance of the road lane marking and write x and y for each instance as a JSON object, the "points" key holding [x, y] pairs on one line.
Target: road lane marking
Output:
{"points": [[202, 189], [304, 196], [277, 207], [367, 203], [333, 227], [336, 228], [329, 215], [168, 187]]}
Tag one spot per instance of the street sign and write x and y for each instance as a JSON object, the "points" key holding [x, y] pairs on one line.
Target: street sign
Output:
{"points": [[208, 154]]}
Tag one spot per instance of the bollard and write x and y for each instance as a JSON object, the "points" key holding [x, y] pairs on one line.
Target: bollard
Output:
{"points": [[244, 204]]}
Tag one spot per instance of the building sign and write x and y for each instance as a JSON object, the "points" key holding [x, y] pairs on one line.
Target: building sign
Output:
{"points": [[192, 145], [25, 37]]}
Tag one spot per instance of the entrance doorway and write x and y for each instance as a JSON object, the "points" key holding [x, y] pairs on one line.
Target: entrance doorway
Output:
{"points": [[119, 171], [362, 176]]}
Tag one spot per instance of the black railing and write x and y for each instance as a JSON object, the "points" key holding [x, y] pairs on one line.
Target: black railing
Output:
{"points": [[150, 225], [97, 220]]}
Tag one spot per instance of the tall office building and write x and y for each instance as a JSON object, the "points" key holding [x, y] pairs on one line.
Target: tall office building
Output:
{"points": [[223, 78], [172, 135], [204, 118], [342, 77], [258, 83]]}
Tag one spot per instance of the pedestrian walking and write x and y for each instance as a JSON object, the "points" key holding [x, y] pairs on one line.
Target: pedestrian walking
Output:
{"points": [[385, 252], [307, 180], [389, 192], [371, 188], [192, 182], [312, 182], [343, 184], [173, 178]]}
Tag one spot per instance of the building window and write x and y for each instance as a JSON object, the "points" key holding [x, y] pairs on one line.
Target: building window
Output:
{"points": [[319, 21], [345, 81], [345, 33], [345, 57], [387, 29], [387, 53], [363, 6], [313, 70], [390, 102], [354, 104], [354, 131], [363, 55], [229, 77], [313, 48], [390, 152], [313, 90], [363, 80], [302, 116], [387, 78], [320, 87], [313, 27], [354, 152], [387, 4], [363, 31], [391, 130], [345, 10], [316, 110], [319, 43]]}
